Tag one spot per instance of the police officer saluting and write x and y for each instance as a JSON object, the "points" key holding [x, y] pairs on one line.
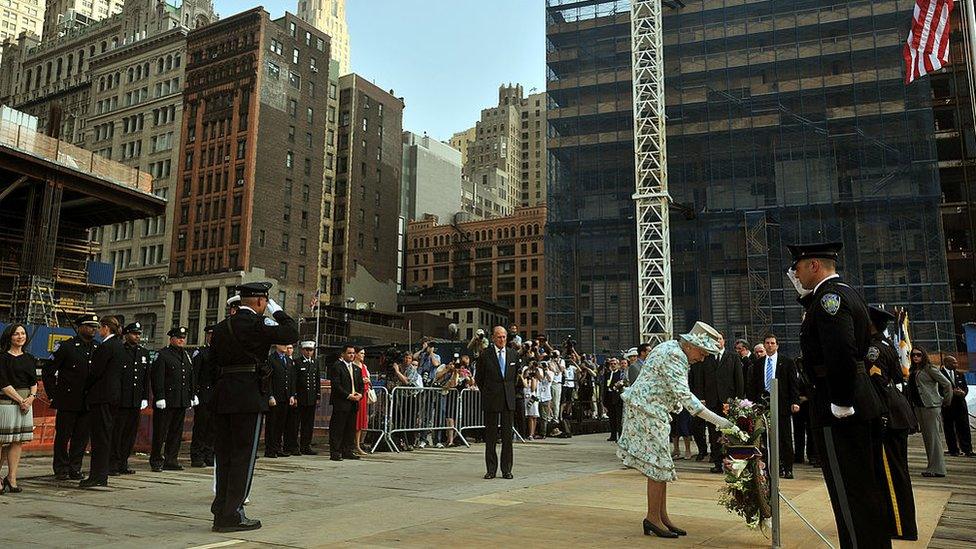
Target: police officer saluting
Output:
{"points": [[204, 374], [240, 348], [64, 383], [302, 417], [845, 411], [173, 391], [133, 398]]}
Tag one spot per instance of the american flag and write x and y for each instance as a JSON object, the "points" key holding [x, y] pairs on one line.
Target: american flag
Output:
{"points": [[314, 303], [927, 48]]}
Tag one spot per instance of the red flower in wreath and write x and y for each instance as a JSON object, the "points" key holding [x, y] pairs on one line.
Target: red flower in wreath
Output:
{"points": [[745, 424]]}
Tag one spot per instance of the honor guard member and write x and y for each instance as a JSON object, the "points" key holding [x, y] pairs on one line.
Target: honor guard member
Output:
{"points": [[845, 411], [282, 398], [233, 304], [307, 393], [133, 399], [173, 392], [64, 383], [102, 392], [885, 371], [204, 375], [240, 349]]}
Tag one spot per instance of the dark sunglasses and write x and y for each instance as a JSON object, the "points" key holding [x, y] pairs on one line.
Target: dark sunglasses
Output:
{"points": [[919, 355]]}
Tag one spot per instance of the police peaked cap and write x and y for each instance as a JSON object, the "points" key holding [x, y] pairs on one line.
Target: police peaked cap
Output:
{"points": [[821, 250], [880, 317], [308, 345], [90, 319], [178, 331], [134, 328], [234, 301], [254, 289]]}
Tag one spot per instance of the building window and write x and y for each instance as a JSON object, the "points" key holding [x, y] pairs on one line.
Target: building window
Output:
{"points": [[302, 246], [261, 238], [292, 30], [289, 159], [301, 274], [294, 56], [284, 242], [309, 115], [283, 271]]}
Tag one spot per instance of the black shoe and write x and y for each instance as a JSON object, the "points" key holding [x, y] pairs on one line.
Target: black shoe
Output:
{"points": [[284, 453], [208, 462], [489, 476], [75, 475], [294, 452], [350, 456], [335, 458], [270, 455], [172, 467], [61, 476], [676, 530], [953, 454], [971, 454], [196, 464], [114, 473], [649, 528], [795, 461], [309, 452], [716, 469], [156, 468], [507, 476], [128, 471], [611, 439], [90, 482], [814, 463], [10, 487], [246, 524], [700, 457], [931, 475]]}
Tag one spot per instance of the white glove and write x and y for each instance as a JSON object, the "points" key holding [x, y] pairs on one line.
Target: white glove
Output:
{"points": [[272, 402], [195, 401], [273, 307], [144, 404], [841, 411], [715, 419], [161, 404], [791, 274]]}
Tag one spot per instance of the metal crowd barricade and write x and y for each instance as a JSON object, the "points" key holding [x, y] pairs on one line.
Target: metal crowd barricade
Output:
{"points": [[378, 415], [421, 409], [470, 413]]}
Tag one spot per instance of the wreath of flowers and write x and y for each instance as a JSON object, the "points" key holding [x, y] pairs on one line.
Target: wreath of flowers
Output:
{"points": [[746, 489]]}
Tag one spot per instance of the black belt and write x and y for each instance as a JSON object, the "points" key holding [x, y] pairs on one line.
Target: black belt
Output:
{"points": [[239, 369]]}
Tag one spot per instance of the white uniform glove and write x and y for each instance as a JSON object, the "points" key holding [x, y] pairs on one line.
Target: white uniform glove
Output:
{"points": [[841, 411], [273, 307], [791, 274], [144, 404], [161, 404], [195, 401], [272, 402], [715, 419]]}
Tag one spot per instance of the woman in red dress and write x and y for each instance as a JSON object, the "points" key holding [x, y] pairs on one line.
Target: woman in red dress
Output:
{"points": [[362, 418]]}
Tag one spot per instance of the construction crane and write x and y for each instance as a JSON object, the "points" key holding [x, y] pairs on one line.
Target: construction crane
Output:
{"points": [[650, 164]]}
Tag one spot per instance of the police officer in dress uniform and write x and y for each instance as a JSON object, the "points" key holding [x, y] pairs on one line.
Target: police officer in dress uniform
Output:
{"points": [[103, 389], [301, 418], [204, 375], [885, 371], [282, 399], [173, 392], [134, 397], [845, 410], [240, 348], [64, 383]]}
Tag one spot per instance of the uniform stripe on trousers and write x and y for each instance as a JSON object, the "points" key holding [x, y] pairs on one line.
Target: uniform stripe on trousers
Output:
{"points": [[891, 492], [254, 456], [845, 508]]}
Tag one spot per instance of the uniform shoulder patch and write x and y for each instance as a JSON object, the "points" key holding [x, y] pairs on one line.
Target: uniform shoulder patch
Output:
{"points": [[830, 303], [873, 353], [56, 347]]}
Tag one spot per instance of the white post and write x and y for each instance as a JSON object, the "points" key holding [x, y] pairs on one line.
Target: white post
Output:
{"points": [[971, 33], [318, 317], [772, 440]]}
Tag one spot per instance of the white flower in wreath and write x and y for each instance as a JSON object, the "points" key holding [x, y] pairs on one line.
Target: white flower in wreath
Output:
{"points": [[737, 466]]}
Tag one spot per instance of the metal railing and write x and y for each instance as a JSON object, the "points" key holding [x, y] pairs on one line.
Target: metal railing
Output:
{"points": [[471, 415], [423, 410]]}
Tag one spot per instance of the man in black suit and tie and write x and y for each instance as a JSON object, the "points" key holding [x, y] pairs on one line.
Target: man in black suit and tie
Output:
{"points": [[347, 392], [498, 366], [775, 365], [718, 379]]}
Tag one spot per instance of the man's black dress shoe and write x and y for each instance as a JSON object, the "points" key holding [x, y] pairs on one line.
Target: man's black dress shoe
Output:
{"points": [[128, 471], [716, 469], [489, 476], [90, 482], [246, 524], [156, 468], [75, 475], [114, 473], [350, 456], [309, 452], [172, 467], [61, 476], [335, 458], [196, 464], [507, 476]]}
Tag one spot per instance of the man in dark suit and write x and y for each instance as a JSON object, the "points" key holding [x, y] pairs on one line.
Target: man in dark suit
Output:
{"points": [[64, 383], [845, 411], [718, 379], [347, 394], [240, 345], [103, 390], [617, 380], [204, 375], [281, 400], [498, 366], [776, 365], [955, 416]]}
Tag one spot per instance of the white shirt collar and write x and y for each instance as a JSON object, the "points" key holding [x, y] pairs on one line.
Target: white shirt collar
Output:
{"points": [[108, 337], [245, 307], [774, 358], [497, 350], [835, 275]]}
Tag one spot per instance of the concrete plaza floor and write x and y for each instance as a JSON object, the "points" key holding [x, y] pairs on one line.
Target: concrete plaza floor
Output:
{"points": [[566, 493]]}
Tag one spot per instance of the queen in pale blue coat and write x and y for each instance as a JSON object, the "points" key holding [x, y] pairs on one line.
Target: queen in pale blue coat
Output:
{"points": [[662, 389]]}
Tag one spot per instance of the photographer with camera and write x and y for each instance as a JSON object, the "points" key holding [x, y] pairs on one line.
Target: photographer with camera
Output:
{"points": [[404, 375], [513, 336], [544, 394], [428, 362], [477, 344]]}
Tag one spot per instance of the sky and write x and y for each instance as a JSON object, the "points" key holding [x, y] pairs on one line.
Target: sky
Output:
{"points": [[446, 58]]}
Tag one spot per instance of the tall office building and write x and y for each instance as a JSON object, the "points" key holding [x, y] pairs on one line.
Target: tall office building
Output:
{"points": [[61, 16], [250, 179], [329, 16], [431, 178], [788, 121], [461, 140], [368, 230], [20, 16]]}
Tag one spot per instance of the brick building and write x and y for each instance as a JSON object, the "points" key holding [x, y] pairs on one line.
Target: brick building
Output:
{"points": [[256, 88], [500, 259], [368, 226]]}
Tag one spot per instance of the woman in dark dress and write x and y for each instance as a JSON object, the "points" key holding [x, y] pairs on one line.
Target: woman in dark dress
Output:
{"points": [[18, 382]]}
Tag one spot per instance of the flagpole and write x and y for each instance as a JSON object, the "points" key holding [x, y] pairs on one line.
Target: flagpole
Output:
{"points": [[970, 16], [318, 316]]}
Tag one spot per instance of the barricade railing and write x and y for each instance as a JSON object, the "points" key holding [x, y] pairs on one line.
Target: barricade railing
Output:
{"points": [[470, 413], [378, 416], [423, 410]]}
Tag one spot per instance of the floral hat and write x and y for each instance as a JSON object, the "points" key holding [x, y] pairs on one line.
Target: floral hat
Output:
{"points": [[704, 337]]}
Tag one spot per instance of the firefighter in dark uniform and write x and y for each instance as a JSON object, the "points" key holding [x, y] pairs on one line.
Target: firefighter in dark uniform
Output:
{"points": [[301, 419], [240, 348], [282, 399], [64, 383], [133, 399], [845, 412], [173, 392], [204, 375], [885, 371]]}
